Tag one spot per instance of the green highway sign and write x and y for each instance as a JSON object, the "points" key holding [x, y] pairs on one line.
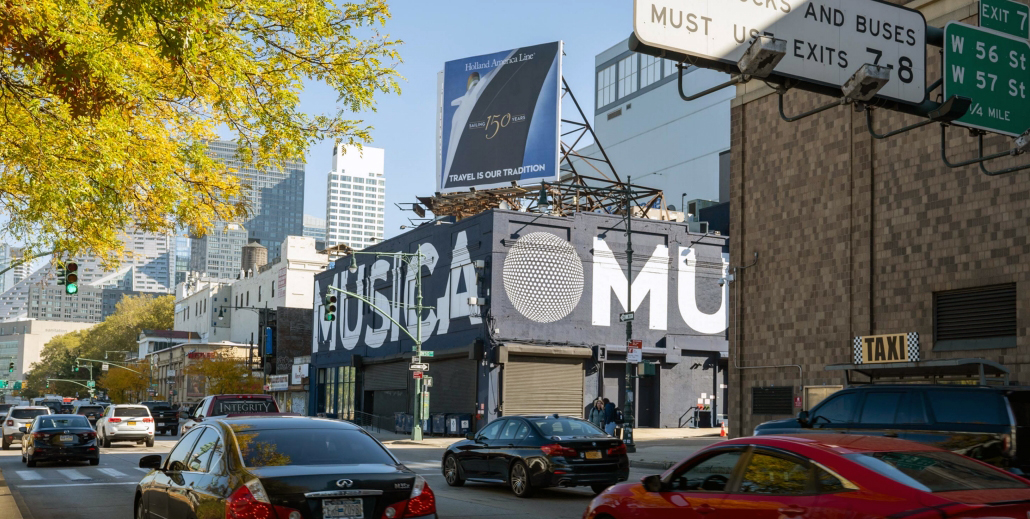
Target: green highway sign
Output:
{"points": [[91, 383], [992, 69], [1005, 16]]}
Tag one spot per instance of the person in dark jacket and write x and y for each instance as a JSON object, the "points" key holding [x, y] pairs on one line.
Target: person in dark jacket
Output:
{"points": [[609, 417], [596, 415]]}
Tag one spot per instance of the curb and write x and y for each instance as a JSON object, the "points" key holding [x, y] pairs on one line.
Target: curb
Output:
{"points": [[8, 506]]}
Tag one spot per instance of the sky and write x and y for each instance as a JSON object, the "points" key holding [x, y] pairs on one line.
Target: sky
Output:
{"points": [[437, 31]]}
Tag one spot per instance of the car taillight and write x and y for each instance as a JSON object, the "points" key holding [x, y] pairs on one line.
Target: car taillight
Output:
{"points": [[10, 423], [618, 450], [555, 449], [114, 420], [421, 502], [88, 435], [41, 436], [1006, 446], [251, 502], [148, 420]]}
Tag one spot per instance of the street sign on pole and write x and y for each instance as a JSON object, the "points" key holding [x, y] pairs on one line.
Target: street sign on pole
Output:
{"points": [[992, 69], [1005, 16], [419, 367], [104, 367], [628, 316], [416, 374], [91, 383], [426, 353], [827, 41], [634, 351]]}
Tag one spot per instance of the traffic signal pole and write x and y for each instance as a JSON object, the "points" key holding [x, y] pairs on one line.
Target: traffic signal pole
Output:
{"points": [[627, 414]]}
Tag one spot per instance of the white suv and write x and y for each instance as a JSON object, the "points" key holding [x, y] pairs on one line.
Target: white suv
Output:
{"points": [[19, 416], [125, 422]]}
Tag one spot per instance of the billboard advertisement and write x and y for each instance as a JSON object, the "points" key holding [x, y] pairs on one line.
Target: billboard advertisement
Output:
{"points": [[499, 118]]}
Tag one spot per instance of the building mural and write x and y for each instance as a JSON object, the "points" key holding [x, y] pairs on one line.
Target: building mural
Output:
{"points": [[506, 288]]}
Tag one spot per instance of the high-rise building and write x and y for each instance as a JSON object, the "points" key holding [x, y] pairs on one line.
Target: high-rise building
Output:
{"points": [[356, 197], [275, 198], [9, 255], [182, 258], [315, 228]]}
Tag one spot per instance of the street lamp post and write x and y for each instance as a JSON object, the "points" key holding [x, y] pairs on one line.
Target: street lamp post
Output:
{"points": [[407, 258]]}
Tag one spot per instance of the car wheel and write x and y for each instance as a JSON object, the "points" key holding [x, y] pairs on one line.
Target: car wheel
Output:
{"points": [[30, 462], [519, 480], [6, 445], [450, 472], [23, 457], [141, 512], [94, 462], [150, 442], [599, 487], [105, 443]]}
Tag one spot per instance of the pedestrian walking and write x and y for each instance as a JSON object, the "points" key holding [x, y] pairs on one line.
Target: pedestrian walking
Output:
{"points": [[609, 417], [596, 415]]}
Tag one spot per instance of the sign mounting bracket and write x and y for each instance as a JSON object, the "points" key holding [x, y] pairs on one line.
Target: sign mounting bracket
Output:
{"points": [[1022, 145], [839, 102], [950, 110]]}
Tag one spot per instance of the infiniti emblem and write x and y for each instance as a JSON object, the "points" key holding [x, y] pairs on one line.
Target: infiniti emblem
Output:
{"points": [[594, 444], [344, 483]]}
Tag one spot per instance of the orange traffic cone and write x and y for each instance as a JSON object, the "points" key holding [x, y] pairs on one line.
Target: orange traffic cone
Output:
{"points": [[722, 433]]}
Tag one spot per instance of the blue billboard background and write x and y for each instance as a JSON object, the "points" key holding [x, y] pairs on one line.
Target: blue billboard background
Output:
{"points": [[501, 116]]}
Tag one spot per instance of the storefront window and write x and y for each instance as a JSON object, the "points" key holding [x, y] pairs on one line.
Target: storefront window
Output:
{"points": [[320, 405]]}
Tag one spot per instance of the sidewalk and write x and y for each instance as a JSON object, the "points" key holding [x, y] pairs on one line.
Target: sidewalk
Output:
{"points": [[657, 449], [8, 508]]}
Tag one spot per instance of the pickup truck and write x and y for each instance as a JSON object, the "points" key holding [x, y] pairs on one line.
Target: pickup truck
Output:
{"points": [[166, 418], [223, 405]]}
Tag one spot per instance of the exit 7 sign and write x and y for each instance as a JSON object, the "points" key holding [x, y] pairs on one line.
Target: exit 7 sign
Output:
{"points": [[1005, 16], [992, 69]]}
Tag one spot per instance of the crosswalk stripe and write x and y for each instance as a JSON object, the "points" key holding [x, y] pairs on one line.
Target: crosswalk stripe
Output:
{"points": [[73, 474], [113, 473], [28, 475]]}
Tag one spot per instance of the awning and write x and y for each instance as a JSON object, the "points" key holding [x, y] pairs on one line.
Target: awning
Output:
{"points": [[541, 351], [981, 370]]}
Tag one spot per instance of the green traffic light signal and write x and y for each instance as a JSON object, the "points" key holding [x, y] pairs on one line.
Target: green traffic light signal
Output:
{"points": [[48, 384], [10, 368], [330, 307], [71, 278]]}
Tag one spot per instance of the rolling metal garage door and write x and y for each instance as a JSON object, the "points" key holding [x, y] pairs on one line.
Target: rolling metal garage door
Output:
{"points": [[392, 375], [454, 386], [543, 385]]}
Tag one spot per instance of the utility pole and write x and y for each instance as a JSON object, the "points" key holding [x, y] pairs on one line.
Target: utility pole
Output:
{"points": [[627, 414]]}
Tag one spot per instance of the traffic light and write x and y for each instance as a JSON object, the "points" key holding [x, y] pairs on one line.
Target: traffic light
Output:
{"points": [[75, 367], [71, 278], [330, 307], [10, 368], [3, 384], [48, 384]]}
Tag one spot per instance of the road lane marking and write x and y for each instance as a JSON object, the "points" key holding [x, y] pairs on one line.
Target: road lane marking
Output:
{"points": [[28, 475], [73, 474], [113, 473], [79, 484]]}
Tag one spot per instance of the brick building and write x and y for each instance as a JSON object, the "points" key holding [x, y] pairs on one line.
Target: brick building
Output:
{"points": [[856, 236]]}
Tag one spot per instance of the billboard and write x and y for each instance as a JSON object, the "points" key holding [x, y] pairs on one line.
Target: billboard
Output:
{"points": [[499, 118]]}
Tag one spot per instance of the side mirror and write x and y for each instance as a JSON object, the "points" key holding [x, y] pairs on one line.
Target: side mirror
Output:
{"points": [[803, 418], [152, 461], [652, 483], [470, 435], [23, 430]]}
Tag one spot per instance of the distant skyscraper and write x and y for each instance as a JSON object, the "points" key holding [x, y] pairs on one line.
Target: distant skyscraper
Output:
{"points": [[182, 258], [9, 255], [275, 198], [356, 197], [315, 228]]}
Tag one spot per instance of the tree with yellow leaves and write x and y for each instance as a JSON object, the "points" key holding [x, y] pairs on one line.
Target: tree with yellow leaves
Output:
{"points": [[126, 386], [224, 374], [106, 105]]}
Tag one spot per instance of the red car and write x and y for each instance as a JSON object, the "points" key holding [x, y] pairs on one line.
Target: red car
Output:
{"points": [[831, 476]]}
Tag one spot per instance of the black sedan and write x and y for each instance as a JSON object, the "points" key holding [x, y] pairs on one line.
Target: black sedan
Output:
{"points": [[54, 437], [280, 467], [529, 452]]}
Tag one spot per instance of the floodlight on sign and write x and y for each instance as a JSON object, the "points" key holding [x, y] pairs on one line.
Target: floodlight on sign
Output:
{"points": [[1023, 142], [762, 56], [866, 82]]}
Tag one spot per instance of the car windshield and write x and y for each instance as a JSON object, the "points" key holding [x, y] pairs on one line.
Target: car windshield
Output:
{"points": [[90, 409], [244, 405], [23, 414], [935, 471], [567, 427], [57, 422], [280, 447], [131, 412]]}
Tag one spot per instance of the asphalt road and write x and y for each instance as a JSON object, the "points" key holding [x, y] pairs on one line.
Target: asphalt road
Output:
{"points": [[81, 491]]}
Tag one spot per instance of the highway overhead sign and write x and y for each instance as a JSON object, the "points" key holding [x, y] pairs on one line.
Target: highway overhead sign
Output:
{"points": [[992, 69], [1005, 16], [827, 40], [419, 367]]}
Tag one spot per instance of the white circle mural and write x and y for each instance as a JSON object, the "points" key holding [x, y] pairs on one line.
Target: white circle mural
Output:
{"points": [[543, 277]]}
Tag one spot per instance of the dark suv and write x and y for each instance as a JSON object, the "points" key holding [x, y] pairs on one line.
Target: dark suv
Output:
{"points": [[989, 423]]}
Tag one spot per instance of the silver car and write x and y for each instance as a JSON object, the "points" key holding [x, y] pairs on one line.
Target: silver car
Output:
{"points": [[17, 417], [124, 422]]}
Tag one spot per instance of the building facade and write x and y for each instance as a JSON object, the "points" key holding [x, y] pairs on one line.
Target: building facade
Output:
{"points": [[200, 305], [170, 365], [275, 198], [525, 318], [314, 227], [151, 341], [355, 204], [858, 238], [21, 342], [8, 256]]}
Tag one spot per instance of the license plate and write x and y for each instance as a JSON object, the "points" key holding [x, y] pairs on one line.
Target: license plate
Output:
{"points": [[132, 423], [593, 455], [342, 509], [67, 438]]}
